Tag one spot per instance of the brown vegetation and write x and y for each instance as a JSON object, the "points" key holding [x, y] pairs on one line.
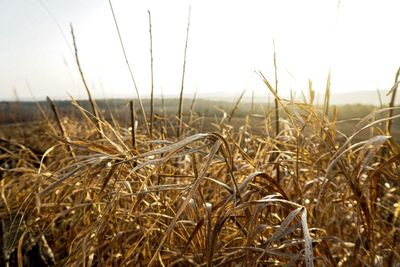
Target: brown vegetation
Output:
{"points": [[287, 187], [207, 198]]}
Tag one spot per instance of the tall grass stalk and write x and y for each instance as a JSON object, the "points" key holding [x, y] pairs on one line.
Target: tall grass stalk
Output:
{"points": [[164, 120], [91, 100], [59, 124], [130, 69], [378, 92], [252, 104], [191, 110], [392, 93], [180, 110], [277, 130], [41, 110], [133, 123], [327, 95], [152, 79], [311, 92], [235, 107]]}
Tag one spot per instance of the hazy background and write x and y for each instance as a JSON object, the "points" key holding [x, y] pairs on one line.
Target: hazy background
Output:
{"points": [[357, 40]]}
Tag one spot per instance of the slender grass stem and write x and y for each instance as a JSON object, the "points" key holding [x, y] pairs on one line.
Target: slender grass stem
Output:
{"points": [[180, 110], [91, 100], [130, 69], [152, 79]]}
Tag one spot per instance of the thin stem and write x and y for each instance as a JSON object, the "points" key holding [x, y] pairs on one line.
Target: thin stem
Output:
{"points": [[393, 92], [152, 79], [59, 124], [276, 91], [92, 103], [180, 111], [130, 69], [191, 112], [252, 104], [236, 106], [327, 95], [133, 131], [276, 113]]}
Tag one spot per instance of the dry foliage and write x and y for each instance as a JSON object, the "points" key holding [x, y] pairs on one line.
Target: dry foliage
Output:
{"points": [[205, 199]]}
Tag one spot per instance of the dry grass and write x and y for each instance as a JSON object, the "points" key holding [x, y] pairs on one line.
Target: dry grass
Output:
{"points": [[206, 199], [289, 189]]}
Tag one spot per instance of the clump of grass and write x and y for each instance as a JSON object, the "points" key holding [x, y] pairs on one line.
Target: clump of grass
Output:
{"points": [[210, 198]]}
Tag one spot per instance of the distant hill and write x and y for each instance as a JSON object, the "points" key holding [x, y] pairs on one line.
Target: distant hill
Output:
{"points": [[349, 98], [360, 97], [349, 105]]}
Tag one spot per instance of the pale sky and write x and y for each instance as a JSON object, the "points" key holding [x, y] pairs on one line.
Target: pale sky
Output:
{"points": [[358, 40]]}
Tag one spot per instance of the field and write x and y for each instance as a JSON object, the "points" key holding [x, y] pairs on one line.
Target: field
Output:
{"points": [[227, 185], [292, 181]]}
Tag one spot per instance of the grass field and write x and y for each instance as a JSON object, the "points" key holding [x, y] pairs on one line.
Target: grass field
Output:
{"points": [[291, 184], [80, 190]]}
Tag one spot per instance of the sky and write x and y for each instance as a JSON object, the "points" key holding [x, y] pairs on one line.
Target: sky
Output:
{"points": [[358, 41]]}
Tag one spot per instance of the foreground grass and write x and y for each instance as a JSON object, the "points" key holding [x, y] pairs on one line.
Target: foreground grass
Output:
{"points": [[98, 195]]}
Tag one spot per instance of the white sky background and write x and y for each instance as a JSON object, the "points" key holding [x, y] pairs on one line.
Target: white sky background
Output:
{"points": [[358, 40]]}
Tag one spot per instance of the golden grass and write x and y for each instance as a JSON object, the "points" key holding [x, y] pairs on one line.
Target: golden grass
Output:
{"points": [[205, 199], [177, 194]]}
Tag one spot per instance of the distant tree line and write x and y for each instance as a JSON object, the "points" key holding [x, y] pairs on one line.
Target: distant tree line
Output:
{"points": [[18, 112]]}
